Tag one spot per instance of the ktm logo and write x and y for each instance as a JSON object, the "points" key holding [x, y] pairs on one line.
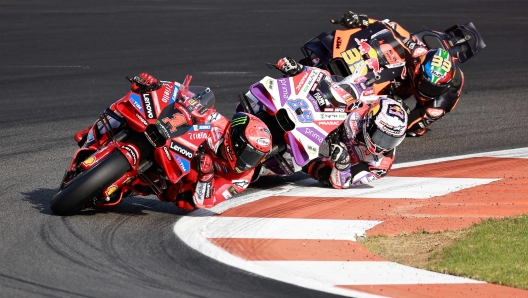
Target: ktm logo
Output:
{"points": [[176, 120]]}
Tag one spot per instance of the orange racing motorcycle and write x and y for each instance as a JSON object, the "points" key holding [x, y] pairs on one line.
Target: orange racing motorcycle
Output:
{"points": [[374, 53]]}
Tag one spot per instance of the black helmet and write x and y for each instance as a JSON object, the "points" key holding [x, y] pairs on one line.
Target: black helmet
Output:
{"points": [[434, 74]]}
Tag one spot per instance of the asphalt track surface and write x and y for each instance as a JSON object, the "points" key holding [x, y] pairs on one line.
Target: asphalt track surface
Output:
{"points": [[63, 62]]}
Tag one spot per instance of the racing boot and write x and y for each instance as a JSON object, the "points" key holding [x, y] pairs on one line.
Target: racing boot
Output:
{"points": [[185, 202], [417, 133], [185, 206], [182, 200]]}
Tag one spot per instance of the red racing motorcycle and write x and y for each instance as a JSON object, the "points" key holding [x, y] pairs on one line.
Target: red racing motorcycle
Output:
{"points": [[139, 145]]}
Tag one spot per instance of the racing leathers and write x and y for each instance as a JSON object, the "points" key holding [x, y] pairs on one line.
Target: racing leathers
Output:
{"points": [[348, 162], [211, 179], [428, 109], [216, 181], [354, 165]]}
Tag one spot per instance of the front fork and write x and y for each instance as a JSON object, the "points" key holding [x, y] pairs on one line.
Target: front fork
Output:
{"points": [[131, 153]]}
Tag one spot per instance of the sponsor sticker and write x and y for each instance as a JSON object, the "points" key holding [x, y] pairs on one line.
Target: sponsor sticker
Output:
{"points": [[184, 164], [175, 91], [110, 190], [142, 119], [149, 109], [240, 183], [201, 127], [166, 93], [180, 149], [136, 101], [167, 153], [177, 119], [131, 152], [89, 161], [198, 135]]}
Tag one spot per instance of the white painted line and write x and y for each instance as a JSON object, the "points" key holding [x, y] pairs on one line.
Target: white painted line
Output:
{"points": [[324, 276], [361, 273], [191, 230], [390, 188], [243, 198], [511, 153], [286, 228]]}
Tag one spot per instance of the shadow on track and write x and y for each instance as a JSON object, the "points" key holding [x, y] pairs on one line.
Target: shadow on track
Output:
{"points": [[135, 205], [138, 205]]}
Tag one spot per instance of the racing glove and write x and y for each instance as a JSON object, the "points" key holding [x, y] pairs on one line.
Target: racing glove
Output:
{"points": [[319, 169], [355, 175], [204, 164], [288, 66], [144, 82], [352, 20], [339, 156], [204, 186]]}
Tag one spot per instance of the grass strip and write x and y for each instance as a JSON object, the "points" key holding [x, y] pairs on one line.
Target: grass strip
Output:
{"points": [[495, 251]]}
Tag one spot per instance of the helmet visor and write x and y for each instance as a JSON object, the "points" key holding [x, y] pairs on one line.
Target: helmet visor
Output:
{"points": [[247, 157], [381, 141], [428, 89]]}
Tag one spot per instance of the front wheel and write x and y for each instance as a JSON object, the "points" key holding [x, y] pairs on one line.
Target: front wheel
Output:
{"points": [[89, 184]]}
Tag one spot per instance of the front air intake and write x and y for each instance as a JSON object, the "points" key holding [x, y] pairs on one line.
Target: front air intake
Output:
{"points": [[284, 121], [155, 136]]}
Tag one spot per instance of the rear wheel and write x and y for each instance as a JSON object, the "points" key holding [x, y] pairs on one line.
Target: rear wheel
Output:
{"points": [[89, 184]]}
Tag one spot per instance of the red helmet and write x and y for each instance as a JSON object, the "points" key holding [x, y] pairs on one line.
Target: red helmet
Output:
{"points": [[247, 142]]}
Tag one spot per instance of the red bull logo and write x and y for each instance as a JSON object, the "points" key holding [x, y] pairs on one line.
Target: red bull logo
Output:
{"points": [[363, 47], [356, 61], [373, 63]]}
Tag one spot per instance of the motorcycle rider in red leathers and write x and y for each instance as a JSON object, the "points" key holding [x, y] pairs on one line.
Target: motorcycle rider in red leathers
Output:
{"points": [[434, 79], [224, 166]]}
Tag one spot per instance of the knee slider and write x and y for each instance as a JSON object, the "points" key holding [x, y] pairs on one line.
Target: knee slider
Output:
{"points": [[434, 113]]}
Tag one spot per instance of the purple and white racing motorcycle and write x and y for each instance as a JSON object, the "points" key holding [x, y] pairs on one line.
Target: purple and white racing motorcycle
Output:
{"points": [[303, 113]]}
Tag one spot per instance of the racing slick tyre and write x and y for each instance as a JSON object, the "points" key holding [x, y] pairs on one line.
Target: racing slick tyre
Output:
{"points": [[89, 184]]}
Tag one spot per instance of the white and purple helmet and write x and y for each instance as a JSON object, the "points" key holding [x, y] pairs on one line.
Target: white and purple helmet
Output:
{"points": [[384, 125]]}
